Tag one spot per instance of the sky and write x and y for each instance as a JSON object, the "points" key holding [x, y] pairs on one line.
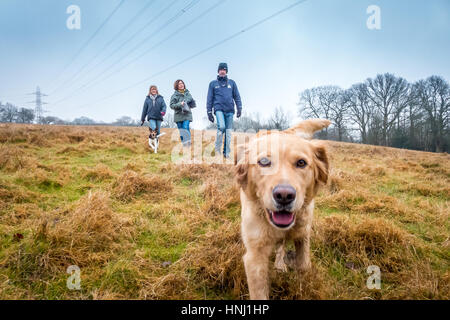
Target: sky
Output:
{"points": [[317, 42]]}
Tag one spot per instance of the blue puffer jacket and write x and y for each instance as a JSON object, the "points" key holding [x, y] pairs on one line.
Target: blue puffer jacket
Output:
{"points": [[153, 112], [222, 95]]}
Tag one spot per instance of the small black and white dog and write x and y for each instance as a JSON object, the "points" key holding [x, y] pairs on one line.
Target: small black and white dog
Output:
{"points": [[153, 139]]}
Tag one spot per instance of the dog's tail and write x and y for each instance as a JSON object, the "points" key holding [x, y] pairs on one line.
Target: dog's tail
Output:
{"points": [[307, 128]]}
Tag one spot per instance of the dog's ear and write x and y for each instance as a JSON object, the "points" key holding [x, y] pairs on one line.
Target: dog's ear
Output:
{"points": [[241, 163], [321, 162], [306, 129]]}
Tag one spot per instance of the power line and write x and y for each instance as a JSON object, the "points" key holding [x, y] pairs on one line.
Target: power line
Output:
{"points": [[168, 22], [132, 20], [165, 39], [147, 51], [89, 40], [87, 85], [256, 24], [151, 21]]}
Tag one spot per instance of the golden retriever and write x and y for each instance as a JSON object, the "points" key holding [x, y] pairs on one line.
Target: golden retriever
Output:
{"points": [[279, 174]]}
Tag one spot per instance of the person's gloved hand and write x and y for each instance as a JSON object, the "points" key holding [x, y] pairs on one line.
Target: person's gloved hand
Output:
{"points": [[210, 117], [185, 108], [142, 123], [192, 104], [238, 113], [163, 114]]}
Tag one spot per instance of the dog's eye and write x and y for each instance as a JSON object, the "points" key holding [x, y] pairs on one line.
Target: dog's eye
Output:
{"points": [[301, 163], [264, 162]]}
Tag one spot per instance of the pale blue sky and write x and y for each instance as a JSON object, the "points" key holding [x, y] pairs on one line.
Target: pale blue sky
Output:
{"points": [[318, 42]]}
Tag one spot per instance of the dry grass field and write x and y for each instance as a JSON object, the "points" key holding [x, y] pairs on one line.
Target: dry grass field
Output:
{"points": [[141, 227]]}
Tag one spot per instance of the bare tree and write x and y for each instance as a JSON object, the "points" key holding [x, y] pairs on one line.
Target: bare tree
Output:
{"points": [[415, 117], [339, 109], [279, 120], [325, 102], [389, 95], [433, 95], [9, 113], [311, 104], [360, 111], [25, 115]]}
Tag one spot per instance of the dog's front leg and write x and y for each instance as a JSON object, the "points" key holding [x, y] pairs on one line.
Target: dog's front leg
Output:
{"points": [[302, 252], [256, 262]]}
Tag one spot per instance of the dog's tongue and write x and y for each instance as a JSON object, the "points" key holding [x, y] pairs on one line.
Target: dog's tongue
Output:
{"points": [[283, 218]]}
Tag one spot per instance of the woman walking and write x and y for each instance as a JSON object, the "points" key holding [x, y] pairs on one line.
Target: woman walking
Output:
{"points": [[154, 109], [182, 103]]}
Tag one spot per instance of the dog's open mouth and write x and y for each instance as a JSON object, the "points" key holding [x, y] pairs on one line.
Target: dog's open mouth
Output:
{"points": [[281, 219]]}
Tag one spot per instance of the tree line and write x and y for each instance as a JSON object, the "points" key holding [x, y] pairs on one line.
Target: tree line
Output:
{"points": [[385, 110], [11, 113]]}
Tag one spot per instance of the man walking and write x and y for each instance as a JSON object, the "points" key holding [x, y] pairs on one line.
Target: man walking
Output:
{"points": [[222, 96]]}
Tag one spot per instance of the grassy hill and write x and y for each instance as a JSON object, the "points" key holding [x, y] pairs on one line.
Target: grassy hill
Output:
{"points": [[141, 227]]}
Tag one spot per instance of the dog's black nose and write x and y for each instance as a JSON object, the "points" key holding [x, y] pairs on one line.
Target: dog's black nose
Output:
{"points": [[284, 194]]}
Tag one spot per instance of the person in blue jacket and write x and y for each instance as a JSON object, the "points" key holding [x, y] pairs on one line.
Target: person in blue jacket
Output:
{"points": [[154, 109], [223, 94]]}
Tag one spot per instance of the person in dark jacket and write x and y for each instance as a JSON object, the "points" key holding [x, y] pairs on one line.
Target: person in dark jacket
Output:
{"points": [[223, 94], [154, 109], [182, 103]]}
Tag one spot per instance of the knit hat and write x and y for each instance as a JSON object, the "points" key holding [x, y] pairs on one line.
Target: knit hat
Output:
{"points": [[224, 66]]}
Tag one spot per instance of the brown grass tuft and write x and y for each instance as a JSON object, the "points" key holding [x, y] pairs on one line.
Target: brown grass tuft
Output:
{"points": [[364, 241], [13, 158], [21, 212], [39, 140], [99, 173], [131, 184], [374, 171], [218, 197], [201, 172]]}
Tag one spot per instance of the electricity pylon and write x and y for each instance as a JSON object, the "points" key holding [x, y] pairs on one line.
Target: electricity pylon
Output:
{"points": [[38, 111]]}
